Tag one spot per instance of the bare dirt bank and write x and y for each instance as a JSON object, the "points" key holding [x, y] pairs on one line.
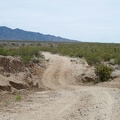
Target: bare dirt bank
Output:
{"points": [[66, 100]]}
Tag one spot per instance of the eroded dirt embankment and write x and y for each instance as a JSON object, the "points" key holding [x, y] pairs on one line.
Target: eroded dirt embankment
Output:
{"points": [[66, 100], [16, 75]]}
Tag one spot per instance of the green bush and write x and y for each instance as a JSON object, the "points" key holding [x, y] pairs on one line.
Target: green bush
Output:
{"points": [[103, 72], [94, 53], [118, 60], [18, 97], [3, 51], [26, 58], [26, 53]]}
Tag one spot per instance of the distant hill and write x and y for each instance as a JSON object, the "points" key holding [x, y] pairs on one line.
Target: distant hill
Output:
{"points": [[18, 34]]}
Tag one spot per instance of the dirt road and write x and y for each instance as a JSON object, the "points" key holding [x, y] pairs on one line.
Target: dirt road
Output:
{"points": [[66, 100]]}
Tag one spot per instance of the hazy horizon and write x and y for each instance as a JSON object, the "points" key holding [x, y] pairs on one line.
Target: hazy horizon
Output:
{"points": [[85, 20]]}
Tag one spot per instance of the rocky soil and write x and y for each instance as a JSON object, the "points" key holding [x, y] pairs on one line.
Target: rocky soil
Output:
{"points": [[14, 74], [67, 92]]}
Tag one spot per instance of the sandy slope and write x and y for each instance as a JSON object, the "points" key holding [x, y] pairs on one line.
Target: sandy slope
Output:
{"points": [[66, 100]]}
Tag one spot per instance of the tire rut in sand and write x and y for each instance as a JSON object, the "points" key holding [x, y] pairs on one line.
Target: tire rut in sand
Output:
{"points": [[56, 75]]}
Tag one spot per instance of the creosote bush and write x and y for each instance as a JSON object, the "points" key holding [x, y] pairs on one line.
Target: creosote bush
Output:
{"points": [[103, 72]]}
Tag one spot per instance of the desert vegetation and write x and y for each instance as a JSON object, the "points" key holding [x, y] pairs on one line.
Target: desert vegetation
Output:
{"points": [[69, 81], [18, 97], [96, 54], [103, 72], [25, 53]]}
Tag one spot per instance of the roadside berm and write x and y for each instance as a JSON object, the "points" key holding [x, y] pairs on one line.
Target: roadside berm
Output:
{"points": [[15, 75]]}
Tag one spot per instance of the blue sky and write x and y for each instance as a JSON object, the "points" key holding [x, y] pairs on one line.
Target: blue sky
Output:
{"points": [[84, 20]]}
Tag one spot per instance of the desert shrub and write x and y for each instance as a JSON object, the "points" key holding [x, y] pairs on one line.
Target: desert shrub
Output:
{"points": [[117, 60], [26, 53], [18, 97], [3, 51], [26, 59], [54, 51], [103, 72], [94, 53]]}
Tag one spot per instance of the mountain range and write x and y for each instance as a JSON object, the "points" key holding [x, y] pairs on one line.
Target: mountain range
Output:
{"points": [[19, 34]]}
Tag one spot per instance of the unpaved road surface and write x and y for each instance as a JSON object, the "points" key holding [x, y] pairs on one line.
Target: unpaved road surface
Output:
{"points": [[66, 100]]}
